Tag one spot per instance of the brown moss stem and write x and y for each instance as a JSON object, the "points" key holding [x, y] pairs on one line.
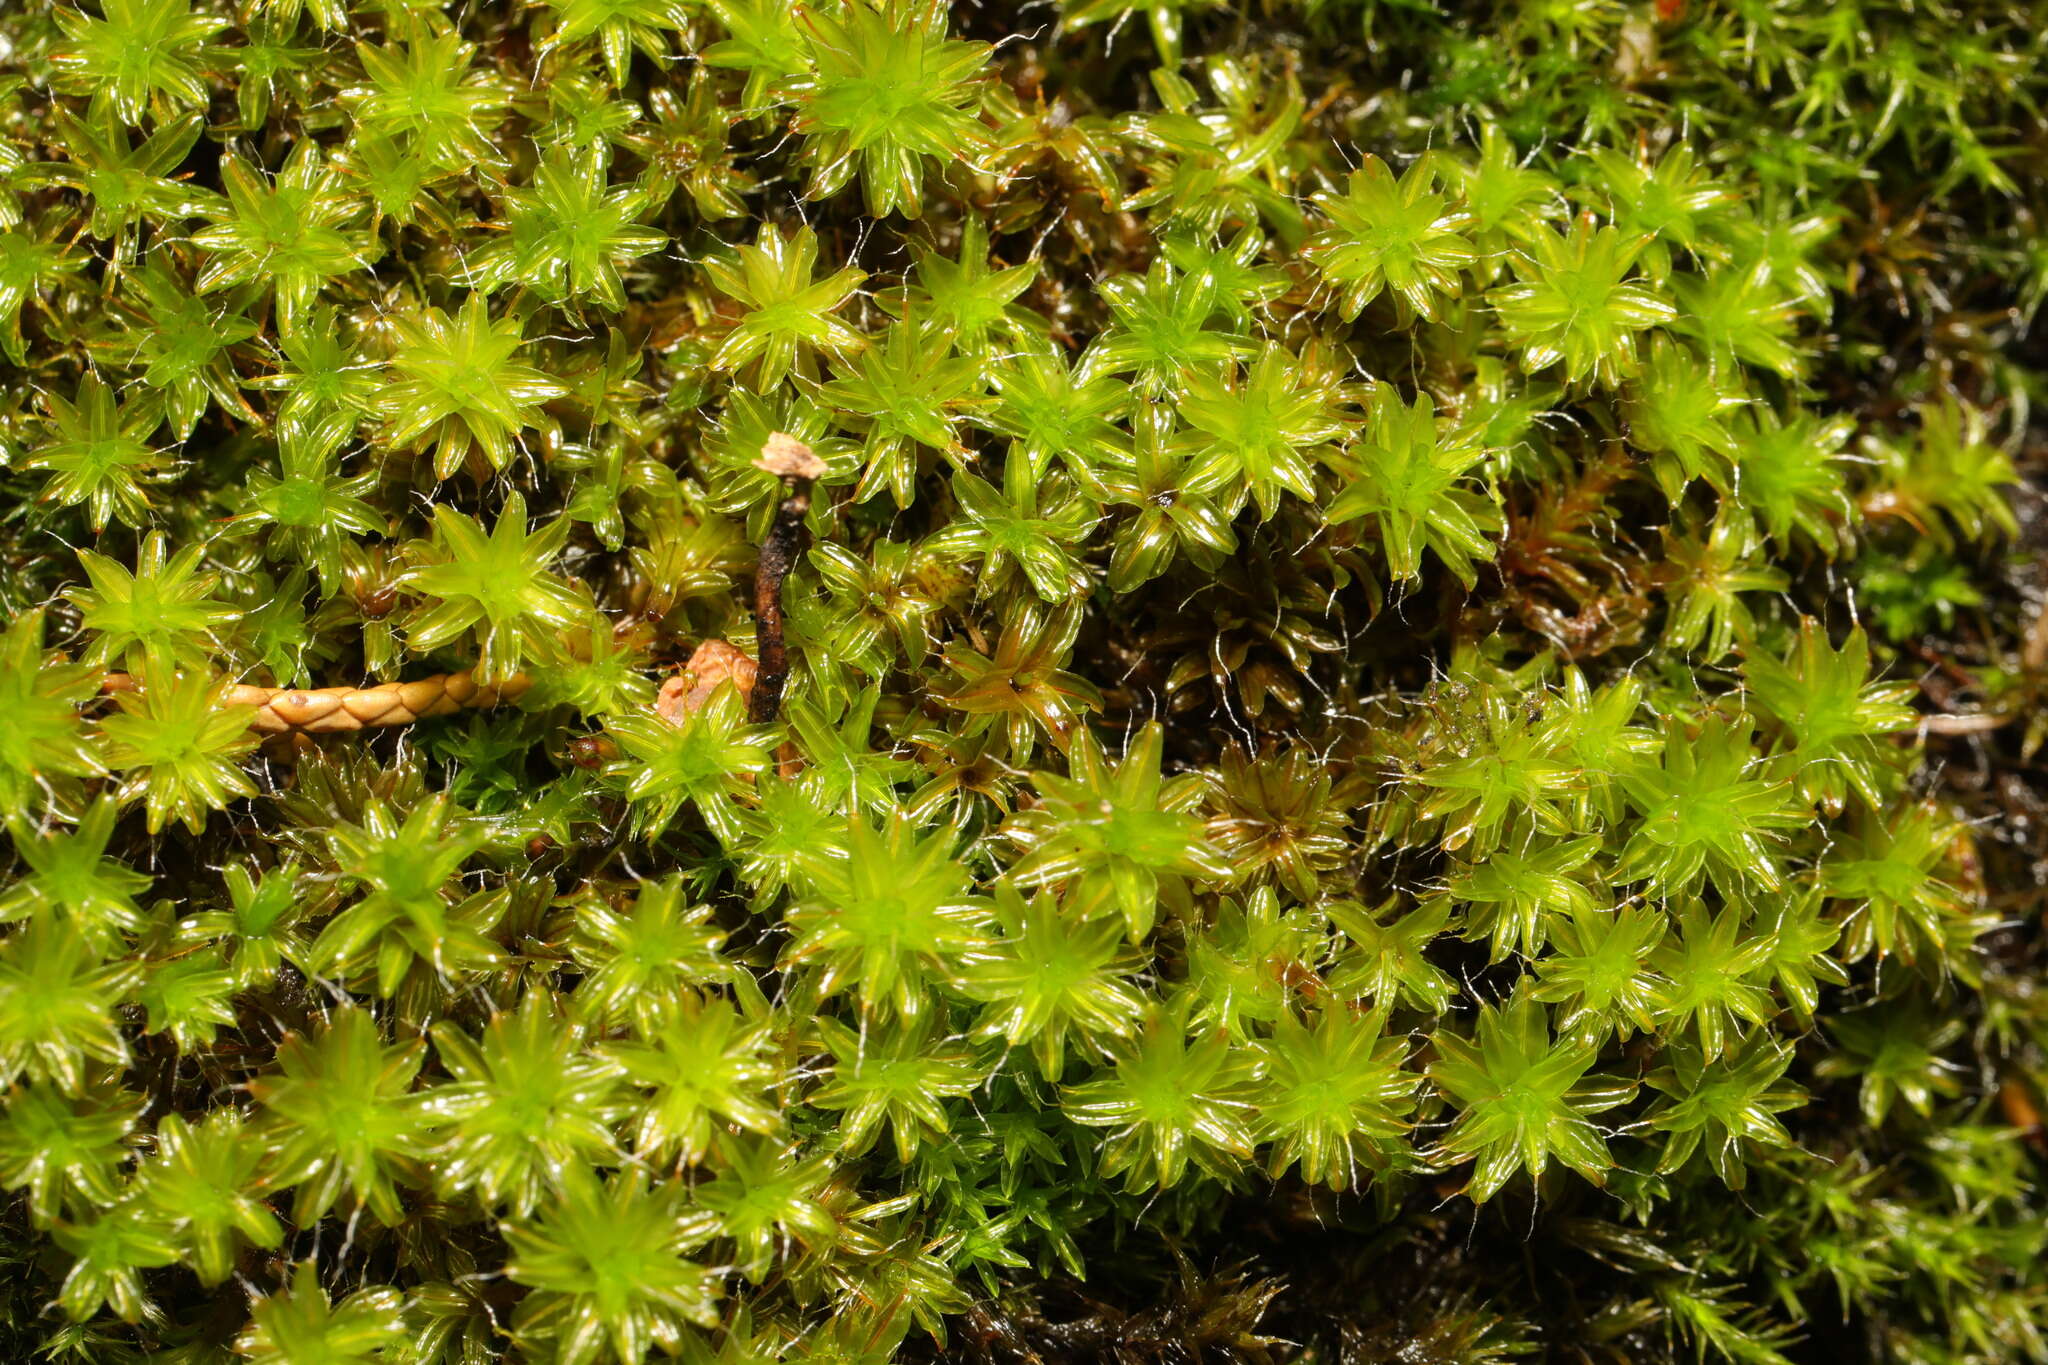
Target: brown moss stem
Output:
{"points": [[793, 461]]}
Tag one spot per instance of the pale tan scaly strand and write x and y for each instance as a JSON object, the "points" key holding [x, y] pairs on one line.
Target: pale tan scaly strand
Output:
{"points": [[336, 710]]}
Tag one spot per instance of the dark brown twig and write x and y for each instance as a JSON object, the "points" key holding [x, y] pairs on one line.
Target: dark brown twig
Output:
{"points": [[792, 461]]}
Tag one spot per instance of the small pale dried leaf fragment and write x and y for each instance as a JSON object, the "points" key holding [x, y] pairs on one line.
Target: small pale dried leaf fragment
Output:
{"points": [[714, 663], [784, 456]]}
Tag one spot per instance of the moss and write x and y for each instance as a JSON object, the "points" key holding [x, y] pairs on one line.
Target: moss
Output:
{"points": [[1410, 707]]}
